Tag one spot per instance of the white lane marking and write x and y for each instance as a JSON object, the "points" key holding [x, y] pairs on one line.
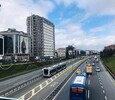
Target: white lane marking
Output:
{"points": [[88, 82], [107, 73], [53, 84], [62, 87], [102, 87], [103, 91], [88, 94], [100, 83], [89, 75], [105, 98], [23, 96]]}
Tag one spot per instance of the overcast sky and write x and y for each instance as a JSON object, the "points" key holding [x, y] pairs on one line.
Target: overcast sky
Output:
{"points": [[85, 24]]}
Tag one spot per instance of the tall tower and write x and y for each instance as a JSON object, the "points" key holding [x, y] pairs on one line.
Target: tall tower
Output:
{"points": [[43, 36]]}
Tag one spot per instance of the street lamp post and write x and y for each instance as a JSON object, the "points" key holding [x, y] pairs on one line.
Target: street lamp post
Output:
{"points": [[51, 59]]}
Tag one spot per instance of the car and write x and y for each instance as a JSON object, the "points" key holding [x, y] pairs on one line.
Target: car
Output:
{"points": [[78, 71], [93, 64], [97, 69], [88, 64]]}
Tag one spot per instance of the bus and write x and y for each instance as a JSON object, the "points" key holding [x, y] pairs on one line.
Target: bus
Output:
{"points": [[78, 87]]}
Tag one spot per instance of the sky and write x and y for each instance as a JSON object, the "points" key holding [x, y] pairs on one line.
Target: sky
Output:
{"points": [[85, 24]]}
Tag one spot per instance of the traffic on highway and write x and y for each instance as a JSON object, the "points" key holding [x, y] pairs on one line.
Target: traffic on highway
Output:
{"points": [[57, 49], [84, 79]]}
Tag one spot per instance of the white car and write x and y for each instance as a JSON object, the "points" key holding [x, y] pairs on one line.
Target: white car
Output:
{"points": [[97, 69], [93, 64]]}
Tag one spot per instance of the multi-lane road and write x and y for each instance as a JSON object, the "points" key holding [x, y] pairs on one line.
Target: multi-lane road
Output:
{"points": [[17, 86], [100, 85]]}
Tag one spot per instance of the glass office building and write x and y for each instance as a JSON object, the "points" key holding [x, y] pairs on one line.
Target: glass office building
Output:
{"points": [[16, 45]]}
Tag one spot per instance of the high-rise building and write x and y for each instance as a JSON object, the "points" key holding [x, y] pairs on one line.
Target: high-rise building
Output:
{"points": [[42, 35]]}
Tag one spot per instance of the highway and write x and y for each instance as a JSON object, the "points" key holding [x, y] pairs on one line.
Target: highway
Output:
{"points": [[50, 87], [100, 85], [16, 86], [16, 81], [41, 91]]}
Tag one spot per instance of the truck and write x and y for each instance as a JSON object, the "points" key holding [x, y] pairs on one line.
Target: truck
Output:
{"points": [[97, 60], [89, 70]]}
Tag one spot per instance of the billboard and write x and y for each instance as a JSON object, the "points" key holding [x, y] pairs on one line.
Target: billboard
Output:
{"points": [[24, 45]]}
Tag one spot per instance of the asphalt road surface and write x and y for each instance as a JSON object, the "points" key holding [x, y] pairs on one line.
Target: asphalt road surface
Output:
{"points": [[15, 81], [100, 85]]}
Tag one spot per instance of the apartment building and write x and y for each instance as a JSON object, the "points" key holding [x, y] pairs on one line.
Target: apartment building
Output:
{"points": [[42, 34]]}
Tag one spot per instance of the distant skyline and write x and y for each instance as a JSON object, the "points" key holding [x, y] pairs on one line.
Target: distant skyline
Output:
{"points": [[87, 24]]}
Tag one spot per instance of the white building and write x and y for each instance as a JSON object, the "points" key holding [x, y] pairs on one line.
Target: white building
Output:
{"points": [[61, 52], [43, 36], [88, 52]]}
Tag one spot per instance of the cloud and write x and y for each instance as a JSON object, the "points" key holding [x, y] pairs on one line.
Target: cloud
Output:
{"points": [[68, 33], [97, 29], [108, 27], [98, 7], [95, 43], [72, 33], [65, 2], [92, 7], [14, 12]]}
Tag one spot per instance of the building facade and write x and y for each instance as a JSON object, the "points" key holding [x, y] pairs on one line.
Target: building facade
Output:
{"points": [[1, 47], [61, 53], [71, 52], [16, 45], [88, 52], [110, 47], [43, 36]]}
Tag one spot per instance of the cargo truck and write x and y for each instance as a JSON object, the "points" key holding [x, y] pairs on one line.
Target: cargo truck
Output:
{"points": [[89, 70]]}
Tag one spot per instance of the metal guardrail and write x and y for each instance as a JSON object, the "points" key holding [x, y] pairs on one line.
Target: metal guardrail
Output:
{"points": [[20, 86], [38, 88], [25, 72], [56, 90], [109, 70]]}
